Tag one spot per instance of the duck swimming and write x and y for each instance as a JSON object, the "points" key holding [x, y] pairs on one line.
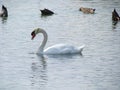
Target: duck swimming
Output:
{"points": [[46, 12], [115, 16], [87, 10], [4, 12]]}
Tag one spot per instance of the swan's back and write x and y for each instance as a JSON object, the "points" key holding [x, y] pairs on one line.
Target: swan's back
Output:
{"points": [[63, 49]]}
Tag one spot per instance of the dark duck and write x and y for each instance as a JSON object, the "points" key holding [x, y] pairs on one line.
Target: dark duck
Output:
{"points": [[46, 12], [115, 16], [4, 12]]}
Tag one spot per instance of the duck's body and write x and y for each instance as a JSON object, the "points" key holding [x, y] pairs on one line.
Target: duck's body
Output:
{"points": [[4, 12], [58, 49], [46, 12], [115, 16], [87, 10]]}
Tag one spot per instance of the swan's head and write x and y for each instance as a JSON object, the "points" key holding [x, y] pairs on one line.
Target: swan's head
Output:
{"points": [[35, 32]]}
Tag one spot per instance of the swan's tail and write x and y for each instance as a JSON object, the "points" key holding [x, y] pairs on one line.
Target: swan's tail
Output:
{"points": [[81, 48]]}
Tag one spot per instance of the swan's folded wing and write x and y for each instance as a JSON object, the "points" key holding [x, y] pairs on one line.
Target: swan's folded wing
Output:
{"points": [[63, 49], [56, 49]]}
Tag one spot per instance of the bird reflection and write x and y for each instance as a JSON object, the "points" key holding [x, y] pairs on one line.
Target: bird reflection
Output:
{"points": [[4, 19], [114, 24], [39, 76], [65, 57]]}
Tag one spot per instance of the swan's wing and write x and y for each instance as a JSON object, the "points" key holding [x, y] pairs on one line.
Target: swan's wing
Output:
{"points": [[56, 49], [62, 49]]}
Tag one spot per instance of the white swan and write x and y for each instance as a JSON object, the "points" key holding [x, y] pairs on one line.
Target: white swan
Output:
{"points": [[56, 49]]}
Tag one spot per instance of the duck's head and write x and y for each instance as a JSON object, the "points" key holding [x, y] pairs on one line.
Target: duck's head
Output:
{"points": [[80, 8], [94, 9]]}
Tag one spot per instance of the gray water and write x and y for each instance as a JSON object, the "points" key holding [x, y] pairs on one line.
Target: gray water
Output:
{"points": [[98, 68]]}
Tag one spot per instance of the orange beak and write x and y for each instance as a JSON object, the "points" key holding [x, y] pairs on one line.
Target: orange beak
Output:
{"points": [[33, 36]]}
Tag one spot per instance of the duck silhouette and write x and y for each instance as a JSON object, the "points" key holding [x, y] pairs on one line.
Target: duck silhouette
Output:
{"points": [[46, 12], [115, 16], [4, 12]]}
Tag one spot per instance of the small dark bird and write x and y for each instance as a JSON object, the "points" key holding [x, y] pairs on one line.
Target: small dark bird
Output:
{"points": [[115, 16], [4, 12], [46, 12]]}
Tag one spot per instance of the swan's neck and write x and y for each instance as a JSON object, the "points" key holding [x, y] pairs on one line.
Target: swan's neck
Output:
{"points": [[45, 36]]}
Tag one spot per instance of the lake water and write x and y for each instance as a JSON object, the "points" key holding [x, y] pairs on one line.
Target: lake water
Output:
{"points": [[98, 68]]}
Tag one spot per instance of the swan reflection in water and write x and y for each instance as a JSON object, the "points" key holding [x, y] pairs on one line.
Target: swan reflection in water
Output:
{"points": [[64, 56], [39, 70]]}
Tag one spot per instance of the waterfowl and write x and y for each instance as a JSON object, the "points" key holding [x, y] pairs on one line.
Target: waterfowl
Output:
{"points": [[115, 16], [4, 12], [57, 49], [46, 12], [87, 10]]}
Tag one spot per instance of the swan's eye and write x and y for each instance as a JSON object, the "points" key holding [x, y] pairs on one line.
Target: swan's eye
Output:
{"points": [[33, 35]]}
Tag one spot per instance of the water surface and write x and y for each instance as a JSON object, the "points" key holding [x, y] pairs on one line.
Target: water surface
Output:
{"points": [[98, 68]]}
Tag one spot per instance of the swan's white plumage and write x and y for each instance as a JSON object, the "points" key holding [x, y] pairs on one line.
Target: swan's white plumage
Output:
{"points": [[63, 49], [55, 49]]}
